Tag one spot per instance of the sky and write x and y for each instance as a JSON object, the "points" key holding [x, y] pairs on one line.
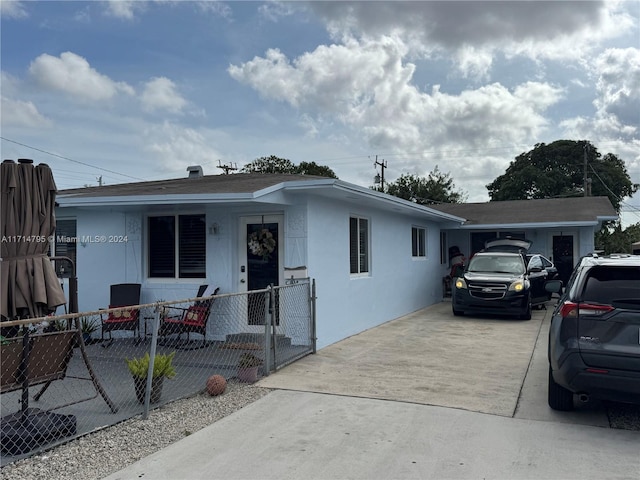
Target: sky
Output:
{"points": [[122, 91]]}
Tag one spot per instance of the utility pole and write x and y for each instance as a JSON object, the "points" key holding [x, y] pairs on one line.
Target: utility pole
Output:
{"points": [[585, 179], [227, 168], [380, 179]]}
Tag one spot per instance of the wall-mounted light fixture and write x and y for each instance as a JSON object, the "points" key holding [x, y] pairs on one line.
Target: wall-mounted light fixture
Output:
{"points": [[214, 229]]}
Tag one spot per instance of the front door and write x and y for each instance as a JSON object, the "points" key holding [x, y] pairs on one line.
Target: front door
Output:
{"points": [[261, 250], [563, 256]]}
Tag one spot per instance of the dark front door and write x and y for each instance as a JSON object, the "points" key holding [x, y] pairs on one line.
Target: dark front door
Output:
{"points": [[563, 256], [263, 266]]}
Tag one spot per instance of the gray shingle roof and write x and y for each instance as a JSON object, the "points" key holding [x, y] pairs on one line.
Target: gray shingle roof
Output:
{"points": [[236, 183], [548, 210]]}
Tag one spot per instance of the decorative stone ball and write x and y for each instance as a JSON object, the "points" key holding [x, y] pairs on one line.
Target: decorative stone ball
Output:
{"points": [[216, 385]]}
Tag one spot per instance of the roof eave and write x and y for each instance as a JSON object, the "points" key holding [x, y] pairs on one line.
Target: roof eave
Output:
{"points": [[583, 223]]}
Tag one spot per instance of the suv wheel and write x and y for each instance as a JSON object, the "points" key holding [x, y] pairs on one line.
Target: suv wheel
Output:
{"points": [[526, 315], [456, 313], [559, 398]]}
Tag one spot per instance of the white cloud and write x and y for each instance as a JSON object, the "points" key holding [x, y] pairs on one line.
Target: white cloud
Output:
{"points": [[22, 114], [72, 74], [617, 117], [459, 29], [619, 86], [125, 9], [367, 87], [275, 10], [176, 147], [160, 94], [219, 9], [13, 9]]}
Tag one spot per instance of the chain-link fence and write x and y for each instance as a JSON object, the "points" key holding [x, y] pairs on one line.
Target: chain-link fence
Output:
{"points": [[68, 375]]}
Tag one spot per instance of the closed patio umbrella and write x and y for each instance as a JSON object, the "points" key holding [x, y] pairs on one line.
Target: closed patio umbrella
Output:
{"points": [[30, 287]]}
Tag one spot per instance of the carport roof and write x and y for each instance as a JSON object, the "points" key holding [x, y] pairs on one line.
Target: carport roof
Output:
{"points": [[539, 212]]}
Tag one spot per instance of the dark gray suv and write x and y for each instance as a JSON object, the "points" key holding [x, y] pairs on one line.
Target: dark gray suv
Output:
{"points": [[594, 338]]}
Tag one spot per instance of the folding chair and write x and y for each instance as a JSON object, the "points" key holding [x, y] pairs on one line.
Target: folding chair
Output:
{"points": [[123, 295], [192, 319]]}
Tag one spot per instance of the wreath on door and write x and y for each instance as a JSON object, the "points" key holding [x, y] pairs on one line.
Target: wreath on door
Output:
{"points": [[262, 243]]}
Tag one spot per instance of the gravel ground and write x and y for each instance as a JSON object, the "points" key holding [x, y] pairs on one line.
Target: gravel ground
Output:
{"points": [[99, 454]]}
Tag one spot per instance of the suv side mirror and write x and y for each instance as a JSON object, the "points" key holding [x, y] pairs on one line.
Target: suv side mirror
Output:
{"points": [[535, 269], [553, 286]]}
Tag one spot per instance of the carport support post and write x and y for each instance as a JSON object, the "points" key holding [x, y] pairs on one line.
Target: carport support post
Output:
{"points": [[152, 359]]}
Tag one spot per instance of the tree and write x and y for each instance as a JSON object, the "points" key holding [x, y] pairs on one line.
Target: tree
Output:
{"points": [[557, 170], [312, 168], [270, 164], [438, 187], [273, 164], [616, 240]]}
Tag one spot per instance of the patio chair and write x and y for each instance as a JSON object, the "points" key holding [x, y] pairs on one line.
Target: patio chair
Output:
{"points": [[192, 319], [122, 295]]}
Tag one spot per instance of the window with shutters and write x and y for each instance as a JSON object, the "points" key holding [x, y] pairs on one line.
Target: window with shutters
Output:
{"points": [[359, 245], [177, 246], [65, 246]]}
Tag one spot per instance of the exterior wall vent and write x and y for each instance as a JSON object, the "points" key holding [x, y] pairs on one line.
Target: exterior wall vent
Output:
{"points": [[195, 171]]}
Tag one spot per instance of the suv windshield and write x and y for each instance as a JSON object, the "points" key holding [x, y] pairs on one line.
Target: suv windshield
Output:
{"points": [[496, 264]]}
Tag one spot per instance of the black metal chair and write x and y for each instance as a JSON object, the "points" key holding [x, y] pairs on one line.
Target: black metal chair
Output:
{"points": [[192, 319], [124, 297]]}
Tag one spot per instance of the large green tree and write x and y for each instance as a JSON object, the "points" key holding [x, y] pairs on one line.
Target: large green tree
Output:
{"points": [[273, 164], [557, 170], [613, 239], [437, 187]]}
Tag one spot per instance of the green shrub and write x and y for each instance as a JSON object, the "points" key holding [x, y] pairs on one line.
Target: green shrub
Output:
{"points": [[162, 367]]}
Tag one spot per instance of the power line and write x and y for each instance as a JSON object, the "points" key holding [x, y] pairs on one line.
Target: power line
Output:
{"points": [[71, 159]]}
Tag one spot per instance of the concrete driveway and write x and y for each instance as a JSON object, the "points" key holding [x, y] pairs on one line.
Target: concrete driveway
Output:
{"points": [[487, 365]]}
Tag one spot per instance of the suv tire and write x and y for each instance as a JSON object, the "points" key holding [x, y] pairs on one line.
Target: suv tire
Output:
{"points": [[527, 313], [559, 398], [457, 313]]}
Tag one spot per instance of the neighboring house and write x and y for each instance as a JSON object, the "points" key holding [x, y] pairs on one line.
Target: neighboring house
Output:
{"points": [[562, 229], [374, 257]]}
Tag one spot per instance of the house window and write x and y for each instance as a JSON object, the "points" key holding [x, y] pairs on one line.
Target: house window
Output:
{"points": [[359, 245], [65, 246], [418, 242], [177, 243]]}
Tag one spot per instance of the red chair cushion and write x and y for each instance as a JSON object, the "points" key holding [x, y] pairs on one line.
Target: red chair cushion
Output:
{"points": [[195, 316], [124, 313]]}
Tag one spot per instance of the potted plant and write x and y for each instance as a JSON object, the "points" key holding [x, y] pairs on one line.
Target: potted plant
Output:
{"points": [[162, 368], [88, 326], [248, 365]]}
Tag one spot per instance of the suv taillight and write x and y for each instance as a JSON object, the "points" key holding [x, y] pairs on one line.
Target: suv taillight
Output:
{"points": [[573, 310]]}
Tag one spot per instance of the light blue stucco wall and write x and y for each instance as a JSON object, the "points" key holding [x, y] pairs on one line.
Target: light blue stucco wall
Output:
{"points": [[396, 285], [316, 236]]}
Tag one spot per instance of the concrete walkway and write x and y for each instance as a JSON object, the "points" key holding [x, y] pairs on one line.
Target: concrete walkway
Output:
{"points": [[426, 396]]}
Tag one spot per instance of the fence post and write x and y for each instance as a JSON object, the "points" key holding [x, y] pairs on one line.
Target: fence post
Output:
{"points": [[267, 328], [314, 338], [152, 360]]}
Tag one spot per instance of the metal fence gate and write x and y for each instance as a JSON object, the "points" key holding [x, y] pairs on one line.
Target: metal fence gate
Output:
{"points": [[77, 374]]}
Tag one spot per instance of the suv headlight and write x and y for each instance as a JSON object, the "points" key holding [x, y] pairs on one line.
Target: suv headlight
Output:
{"points": [[460, 283], [518, 286]]}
